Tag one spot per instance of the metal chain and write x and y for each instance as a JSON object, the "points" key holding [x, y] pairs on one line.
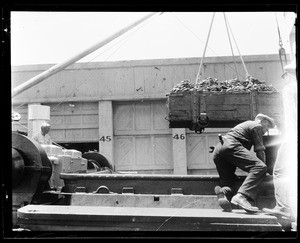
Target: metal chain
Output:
{"points": [[278, 30], [281, 49]]}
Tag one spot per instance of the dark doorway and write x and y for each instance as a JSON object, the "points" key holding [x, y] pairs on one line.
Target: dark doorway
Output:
{"points": [[82, 147]]}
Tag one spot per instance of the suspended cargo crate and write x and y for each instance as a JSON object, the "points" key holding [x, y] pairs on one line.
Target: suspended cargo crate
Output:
{"points": [[199, 109]]}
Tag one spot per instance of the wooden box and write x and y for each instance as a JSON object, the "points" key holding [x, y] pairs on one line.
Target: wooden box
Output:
{"points": [[222, 109]]}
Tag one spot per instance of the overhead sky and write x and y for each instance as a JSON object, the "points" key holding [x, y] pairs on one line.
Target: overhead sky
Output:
{"points": [[53, 37]]}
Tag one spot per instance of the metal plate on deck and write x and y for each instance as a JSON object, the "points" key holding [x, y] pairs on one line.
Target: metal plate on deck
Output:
{"points": [[142, 183]]}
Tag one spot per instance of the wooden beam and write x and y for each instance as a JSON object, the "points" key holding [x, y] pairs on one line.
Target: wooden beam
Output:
{"points": [[179, 151], [106, 133]]}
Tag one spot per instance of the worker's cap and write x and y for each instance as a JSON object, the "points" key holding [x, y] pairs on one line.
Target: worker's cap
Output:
{"points": [[45, 124], [262, 117]]}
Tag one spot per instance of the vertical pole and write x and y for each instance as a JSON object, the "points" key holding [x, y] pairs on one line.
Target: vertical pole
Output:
{"points": [[37, 114], [106, 135], [179, 151]]}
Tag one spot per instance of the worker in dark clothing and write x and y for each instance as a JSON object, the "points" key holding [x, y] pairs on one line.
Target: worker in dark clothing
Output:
{"points": [[234, 151]]}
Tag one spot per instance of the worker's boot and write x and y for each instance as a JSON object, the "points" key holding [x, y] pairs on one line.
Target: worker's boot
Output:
{"points": [[279, 213], [222, 199], [243, 202]]}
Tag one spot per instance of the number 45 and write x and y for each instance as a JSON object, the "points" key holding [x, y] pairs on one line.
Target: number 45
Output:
{"points": [[105, 139]]}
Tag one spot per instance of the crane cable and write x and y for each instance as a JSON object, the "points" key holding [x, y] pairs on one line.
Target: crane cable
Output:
{"points": [[199, 71], [227, 26], [121, 40], [246, 71], [218, 56], [237, 74]]}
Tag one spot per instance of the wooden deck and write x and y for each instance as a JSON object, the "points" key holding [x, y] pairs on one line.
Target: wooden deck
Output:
{"points": [[92, 218]]}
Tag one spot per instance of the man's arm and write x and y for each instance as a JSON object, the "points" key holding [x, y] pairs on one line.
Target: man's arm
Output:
{"points": [[259, 147], [261, 155]]}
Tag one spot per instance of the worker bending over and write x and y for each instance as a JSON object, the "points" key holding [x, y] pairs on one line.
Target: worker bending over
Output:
{"points": [[234, 151]]}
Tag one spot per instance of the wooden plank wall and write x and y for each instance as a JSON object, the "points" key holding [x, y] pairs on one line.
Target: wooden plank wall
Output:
{"points": [[142, 136], [131, 96], [74, 122], [127, 80]]}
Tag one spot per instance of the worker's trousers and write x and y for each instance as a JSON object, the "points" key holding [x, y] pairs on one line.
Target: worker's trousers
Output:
{"points": [[283, 177], [230, 155]]}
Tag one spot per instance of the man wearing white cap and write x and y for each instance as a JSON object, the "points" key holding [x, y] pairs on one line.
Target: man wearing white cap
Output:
{"points": [[234, 151], [43, 137]]}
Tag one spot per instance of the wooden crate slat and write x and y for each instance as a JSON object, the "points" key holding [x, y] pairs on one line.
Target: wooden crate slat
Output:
{"points": [[224, 106]]}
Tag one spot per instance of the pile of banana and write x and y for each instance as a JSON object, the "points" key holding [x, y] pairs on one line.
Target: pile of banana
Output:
{"points": [[234, 85]]}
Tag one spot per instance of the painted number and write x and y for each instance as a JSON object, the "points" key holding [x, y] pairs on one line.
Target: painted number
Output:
{"points": [[105, 139], [177, 136]]}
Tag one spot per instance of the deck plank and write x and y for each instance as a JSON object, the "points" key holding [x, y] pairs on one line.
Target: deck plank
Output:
{"points": [[45, 217]]}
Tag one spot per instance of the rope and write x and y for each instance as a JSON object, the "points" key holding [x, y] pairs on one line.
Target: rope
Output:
{"points": [[124, 40], [237, 74], [198, 74], [246, 71], [176, 213], [217, 55]]}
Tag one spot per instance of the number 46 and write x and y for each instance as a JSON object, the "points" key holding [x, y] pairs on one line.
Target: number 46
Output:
{"points": [[181, 136]]}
